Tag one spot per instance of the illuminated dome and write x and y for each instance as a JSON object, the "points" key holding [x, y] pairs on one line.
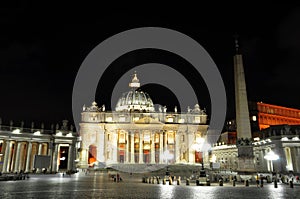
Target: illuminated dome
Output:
{"points": [[135, 99]]}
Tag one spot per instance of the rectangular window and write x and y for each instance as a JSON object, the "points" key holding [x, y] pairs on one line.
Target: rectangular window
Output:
{"points": [[197, 119], [122, 138]]}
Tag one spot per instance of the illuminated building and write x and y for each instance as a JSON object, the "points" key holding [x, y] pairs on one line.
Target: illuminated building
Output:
{"points": [[264, 115], [137, 134], [275, 130], [22, 149], [283, 140]]}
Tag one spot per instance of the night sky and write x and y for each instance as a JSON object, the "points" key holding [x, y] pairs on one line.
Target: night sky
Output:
{"points": [[42, 49]]}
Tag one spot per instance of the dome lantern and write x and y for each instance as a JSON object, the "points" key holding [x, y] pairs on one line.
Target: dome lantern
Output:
{"points": [[135, 99], [135, 82]]}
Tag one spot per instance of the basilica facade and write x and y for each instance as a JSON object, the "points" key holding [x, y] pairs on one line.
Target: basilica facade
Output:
{"points": [[135, 133]]}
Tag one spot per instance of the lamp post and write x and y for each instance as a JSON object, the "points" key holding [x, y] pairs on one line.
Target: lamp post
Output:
{"points": [[271, 156]]}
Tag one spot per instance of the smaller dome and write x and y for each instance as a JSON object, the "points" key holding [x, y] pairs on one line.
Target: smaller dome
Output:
{"points": [[197, 108]]}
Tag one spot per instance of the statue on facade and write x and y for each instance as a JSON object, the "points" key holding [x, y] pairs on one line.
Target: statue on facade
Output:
{"points": [[160, 109], [165, 109]]}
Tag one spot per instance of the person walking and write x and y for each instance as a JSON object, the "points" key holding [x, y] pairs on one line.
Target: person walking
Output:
{"points": [[257, 181]]}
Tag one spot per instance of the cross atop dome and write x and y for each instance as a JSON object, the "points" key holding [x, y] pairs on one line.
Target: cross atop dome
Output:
{"points": [[135, 82]]}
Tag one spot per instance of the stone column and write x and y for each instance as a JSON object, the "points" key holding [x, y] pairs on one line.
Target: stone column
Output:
{"points": [[127, 148], [38, 170], [115, 148], [177, 147], [10, 155], [165, 141], [101, 143], [54, 158], [153, 148], [70, 157], [6, 158], [161, 151], [297, 166], [22, 157], [49, 153], [28, 157], [141, 149], [17, 166], [132, 148], [84, 158], [191, 152]]}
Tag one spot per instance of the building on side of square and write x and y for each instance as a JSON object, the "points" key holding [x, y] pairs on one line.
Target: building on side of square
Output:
{"points": [[19, 148], [137, 134], [283, 140]]}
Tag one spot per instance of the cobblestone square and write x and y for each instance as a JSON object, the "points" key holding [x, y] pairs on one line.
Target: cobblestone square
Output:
{"points": [[98, 185]]}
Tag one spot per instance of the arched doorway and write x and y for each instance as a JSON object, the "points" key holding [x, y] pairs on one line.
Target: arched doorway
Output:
{"points": [[92, 155], [198, 157]]}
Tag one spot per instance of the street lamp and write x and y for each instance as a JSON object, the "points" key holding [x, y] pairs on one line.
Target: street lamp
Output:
{"points": [[271, 156]]}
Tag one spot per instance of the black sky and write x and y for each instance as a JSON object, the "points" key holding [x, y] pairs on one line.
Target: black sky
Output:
{"points": [[42, 49]]}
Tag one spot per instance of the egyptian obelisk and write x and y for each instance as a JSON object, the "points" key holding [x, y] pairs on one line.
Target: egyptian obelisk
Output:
{"points": [[244, 138]]}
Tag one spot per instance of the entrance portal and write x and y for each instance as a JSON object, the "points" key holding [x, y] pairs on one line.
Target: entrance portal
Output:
{"points": [[92, 155], [198, 157], [146, 156], [63, 157]]}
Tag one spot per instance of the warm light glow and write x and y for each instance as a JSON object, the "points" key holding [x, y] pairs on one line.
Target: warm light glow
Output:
{"points": [[63, 158], [256, 139], [271, 156], [295, 139], [136, 119], [199, 140], [276, 115], [37, 133], [254, 118], [197, 147], [284, 139]]}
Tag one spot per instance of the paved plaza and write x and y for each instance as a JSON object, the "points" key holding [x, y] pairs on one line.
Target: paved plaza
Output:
{"points": [[98, 185]]}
